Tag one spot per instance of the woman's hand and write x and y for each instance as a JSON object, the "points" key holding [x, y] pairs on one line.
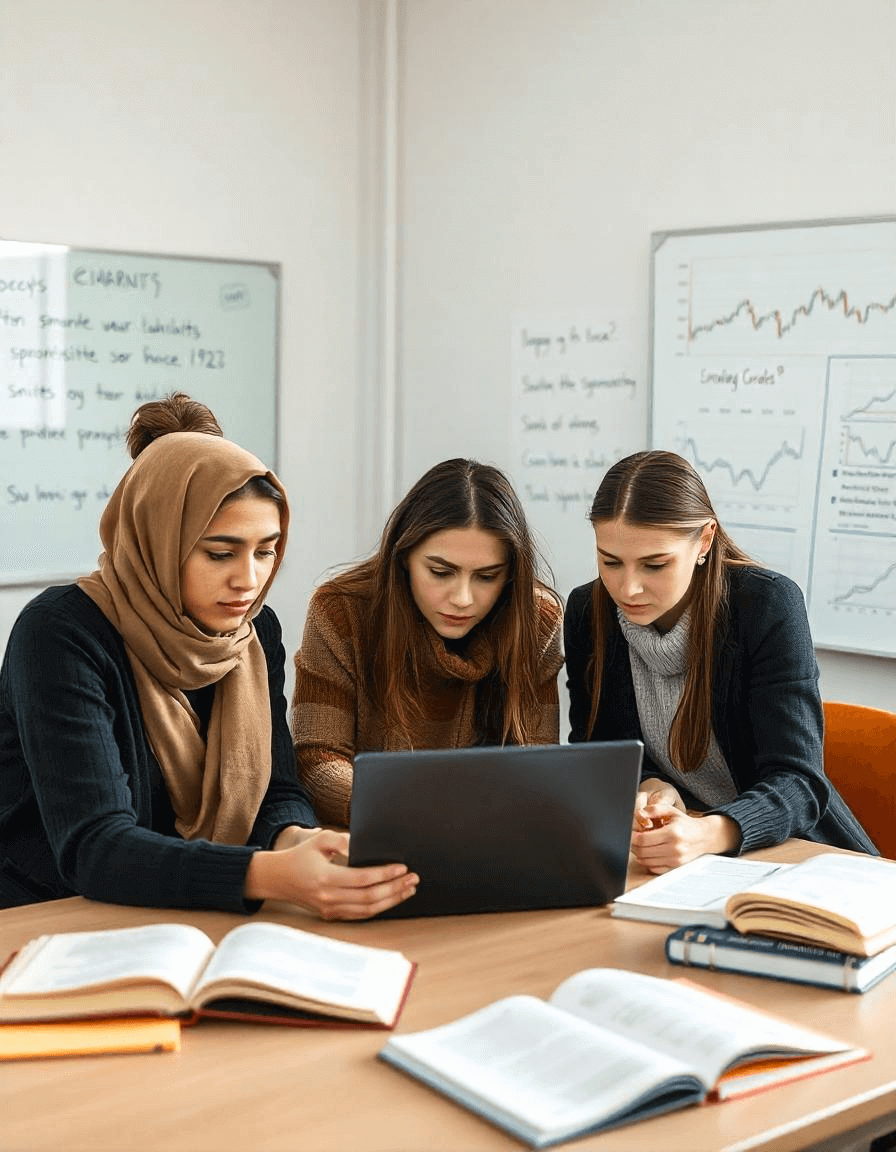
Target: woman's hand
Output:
{"points": [[652, 793], [673, 837], [314, 875], [291, 836]]}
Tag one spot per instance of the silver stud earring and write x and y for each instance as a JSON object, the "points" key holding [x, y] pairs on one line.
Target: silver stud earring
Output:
{"points": [[701, 560]]}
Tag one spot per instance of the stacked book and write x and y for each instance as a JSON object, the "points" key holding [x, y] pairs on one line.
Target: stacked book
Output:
{"points": [[829, 920]]}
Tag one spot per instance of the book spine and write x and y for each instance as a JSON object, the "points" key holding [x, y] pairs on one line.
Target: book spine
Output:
{"points": [[728, 951]]}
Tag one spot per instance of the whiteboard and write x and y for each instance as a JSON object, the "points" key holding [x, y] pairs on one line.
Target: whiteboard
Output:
{"points": [[86, 337], [773, 370]]}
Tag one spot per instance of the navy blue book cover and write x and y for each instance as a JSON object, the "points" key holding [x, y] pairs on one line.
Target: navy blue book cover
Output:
{"points": [[728, 950]]}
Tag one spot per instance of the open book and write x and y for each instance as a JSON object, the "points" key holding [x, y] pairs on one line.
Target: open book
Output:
{"points": [[609, 1047], [694, 893], [259, 971], [832, 900]]}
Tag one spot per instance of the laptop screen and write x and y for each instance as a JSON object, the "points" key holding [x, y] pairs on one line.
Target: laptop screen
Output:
{"points": [[501, 828]]}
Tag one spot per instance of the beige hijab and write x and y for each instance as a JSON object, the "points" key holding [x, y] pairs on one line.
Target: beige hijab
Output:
{"points": [[151, 524]]}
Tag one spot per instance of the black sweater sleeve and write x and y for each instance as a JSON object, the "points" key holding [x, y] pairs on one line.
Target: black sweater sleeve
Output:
{"points": [[76, 770], [769, 720]]}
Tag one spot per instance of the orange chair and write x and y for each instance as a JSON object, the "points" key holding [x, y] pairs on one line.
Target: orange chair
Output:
{"points": [[860, 761]]}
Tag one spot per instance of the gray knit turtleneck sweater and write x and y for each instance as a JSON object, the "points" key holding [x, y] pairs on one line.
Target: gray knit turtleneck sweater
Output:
{"points": [[659, 662]]}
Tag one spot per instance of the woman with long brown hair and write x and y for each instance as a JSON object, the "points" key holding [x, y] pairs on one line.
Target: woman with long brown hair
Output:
{"points": [[145, 756], [687, 644], [445, 637]]}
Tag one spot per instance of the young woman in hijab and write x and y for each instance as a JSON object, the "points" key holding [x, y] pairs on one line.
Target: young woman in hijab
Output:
{"points": [[685, 643], [444, 638], [144, 752]]}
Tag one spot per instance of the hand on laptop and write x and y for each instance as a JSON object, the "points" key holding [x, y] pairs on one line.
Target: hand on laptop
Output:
{"points": [[312, 873]]}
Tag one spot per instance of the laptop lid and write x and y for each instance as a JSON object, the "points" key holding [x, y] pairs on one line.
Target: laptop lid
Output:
{"points": [[499, 829]]}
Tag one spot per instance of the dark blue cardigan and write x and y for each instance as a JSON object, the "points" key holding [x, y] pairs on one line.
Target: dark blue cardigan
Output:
{"points": [[766, 711], [83, 805]]}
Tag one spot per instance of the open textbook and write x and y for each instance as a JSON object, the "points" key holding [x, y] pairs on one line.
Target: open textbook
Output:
{"points": [[259, 971], [609, 1047], [694, 893], [834, 900]]}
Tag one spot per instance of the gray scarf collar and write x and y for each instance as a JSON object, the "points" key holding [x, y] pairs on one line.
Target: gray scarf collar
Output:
{"points": [[664, 653]]}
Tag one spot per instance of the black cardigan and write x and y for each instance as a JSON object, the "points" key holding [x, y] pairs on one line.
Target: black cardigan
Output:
{"points": [[767, 714], [83, 805]]}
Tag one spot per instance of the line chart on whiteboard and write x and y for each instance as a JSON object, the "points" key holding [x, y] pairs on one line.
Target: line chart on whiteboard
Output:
{"points": [[858, 591], [881, 406], [762, 470], [870, 444], [877, 592], [790, 305], [784, 322], [774, 372]]}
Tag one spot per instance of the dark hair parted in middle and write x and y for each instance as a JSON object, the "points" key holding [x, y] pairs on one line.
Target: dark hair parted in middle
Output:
{"points": [[454, 494], [662, 490]]}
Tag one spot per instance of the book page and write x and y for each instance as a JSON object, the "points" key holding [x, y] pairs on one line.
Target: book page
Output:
{"points": [[859, 890], [711, 1032], [537, 1068], [311, 968], [700, 887], [56, 965]]}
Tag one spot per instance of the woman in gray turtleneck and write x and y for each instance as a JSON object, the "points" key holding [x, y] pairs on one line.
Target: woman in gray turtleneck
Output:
{"points": [[685, 643]]}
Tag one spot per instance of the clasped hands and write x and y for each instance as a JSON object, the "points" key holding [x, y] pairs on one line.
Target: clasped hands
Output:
{"points": [[665, 835]]}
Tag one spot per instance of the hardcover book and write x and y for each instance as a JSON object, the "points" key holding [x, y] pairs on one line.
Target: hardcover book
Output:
{"points": [[609, 1047], [260, 971], [727, 950]]}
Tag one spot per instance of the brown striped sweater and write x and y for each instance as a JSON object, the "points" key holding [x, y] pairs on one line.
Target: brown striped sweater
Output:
{"points": [[333, 716]]}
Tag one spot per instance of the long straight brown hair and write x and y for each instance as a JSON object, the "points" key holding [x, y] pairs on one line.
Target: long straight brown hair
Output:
{"points": [[454, 494], [662, 490]]}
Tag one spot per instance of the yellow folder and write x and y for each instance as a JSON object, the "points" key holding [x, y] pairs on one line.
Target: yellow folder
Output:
{"points": [[88, 1037]]}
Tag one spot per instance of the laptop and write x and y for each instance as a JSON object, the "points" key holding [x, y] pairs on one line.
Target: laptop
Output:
{"points": [[499, 829]]}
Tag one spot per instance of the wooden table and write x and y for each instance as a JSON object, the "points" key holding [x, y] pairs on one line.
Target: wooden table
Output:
{"points": [[254, 1088]]}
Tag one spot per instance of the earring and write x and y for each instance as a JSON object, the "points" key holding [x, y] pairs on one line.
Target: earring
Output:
{"points": [[701, 560]]}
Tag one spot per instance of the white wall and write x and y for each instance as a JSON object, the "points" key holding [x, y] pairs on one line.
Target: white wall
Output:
{"points": [[544, 140], [225, 128], [540, 143]]}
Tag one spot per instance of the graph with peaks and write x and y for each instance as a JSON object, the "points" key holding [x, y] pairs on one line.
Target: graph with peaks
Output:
{"points": [[774, 372], [868, 444], [880, 405], [798, 324], [876, 591], [751, 465], [858, 590], [793, 305]]}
